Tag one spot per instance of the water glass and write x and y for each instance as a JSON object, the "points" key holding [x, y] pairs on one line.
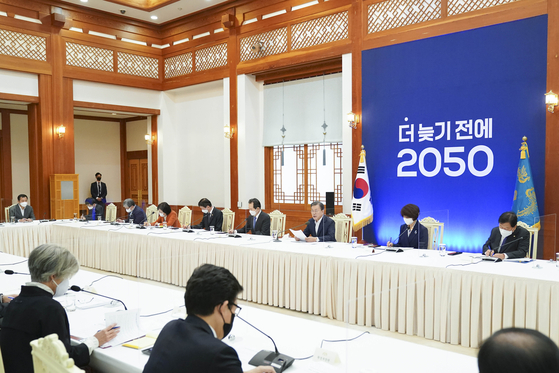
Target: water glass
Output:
{"points": [[212, 229], [70, 302], [442, 249], [131, 222], [354, 242], [556, 259], [13, 219], [275, 234], [164, 225], [75, 216]]}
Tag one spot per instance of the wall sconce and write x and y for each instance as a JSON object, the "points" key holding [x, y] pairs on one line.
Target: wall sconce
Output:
{"points": [[149, 139], [61, 130], [352, 120], [228, 132], [551, 100]]}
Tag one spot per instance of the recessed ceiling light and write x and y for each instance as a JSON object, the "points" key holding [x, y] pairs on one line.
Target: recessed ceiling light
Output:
{"points": [[83, 1], [113, 113], [154, 17]]}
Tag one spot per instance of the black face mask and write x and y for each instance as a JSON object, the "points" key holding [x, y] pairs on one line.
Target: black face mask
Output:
{"points": [[98, 179], [227, 327]]}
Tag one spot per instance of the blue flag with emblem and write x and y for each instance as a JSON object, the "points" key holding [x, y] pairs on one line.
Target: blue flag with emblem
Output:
{"points": [[525, 204]]}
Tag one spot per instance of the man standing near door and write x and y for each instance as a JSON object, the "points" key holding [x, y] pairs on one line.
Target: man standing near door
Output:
{"points": [[99, 190]]}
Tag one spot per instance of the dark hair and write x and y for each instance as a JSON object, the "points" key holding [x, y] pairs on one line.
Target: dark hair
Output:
{"points": [[21, 196], [204, 202], [90, 201], [516, 350], [208, 287], [255, 203], [164, 206], [98, 173], [410, 210], [319, 204], [508, 217]]}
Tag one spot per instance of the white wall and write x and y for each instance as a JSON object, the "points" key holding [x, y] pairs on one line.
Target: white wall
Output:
{"points": [[18, 83], [97, 149], [192, 146], [135, 135], [347, 134], [20, 155], [115, 95]]}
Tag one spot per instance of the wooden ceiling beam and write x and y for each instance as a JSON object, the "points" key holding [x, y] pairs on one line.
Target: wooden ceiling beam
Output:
{"points": [[301, 71]]}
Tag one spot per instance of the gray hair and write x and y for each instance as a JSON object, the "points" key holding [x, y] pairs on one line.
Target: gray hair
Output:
{"points": [[128, 202], [49, 259], [320, 204]]}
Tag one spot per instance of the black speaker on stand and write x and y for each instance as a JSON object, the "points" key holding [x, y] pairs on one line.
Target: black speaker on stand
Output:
{"points": [[330, 203]]}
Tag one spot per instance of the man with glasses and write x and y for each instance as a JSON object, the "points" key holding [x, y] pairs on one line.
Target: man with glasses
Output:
{"points": [[194, 344], [507, 241]]}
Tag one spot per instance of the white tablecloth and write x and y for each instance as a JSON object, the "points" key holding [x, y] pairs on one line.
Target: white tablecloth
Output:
{"points": [[401, 292]]}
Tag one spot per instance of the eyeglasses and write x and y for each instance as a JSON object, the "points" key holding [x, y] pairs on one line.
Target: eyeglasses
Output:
{"points": [[237, 309]]}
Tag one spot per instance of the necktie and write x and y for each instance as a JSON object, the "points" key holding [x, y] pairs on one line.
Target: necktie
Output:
{"points": [[98, 189], [93, 214], [254, 223]]}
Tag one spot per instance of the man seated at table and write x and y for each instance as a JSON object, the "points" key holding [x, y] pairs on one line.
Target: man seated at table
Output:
{"points": [[95, 210], [507, 241], [516, 350], [320, 227], [212, 216], [194, 344], [22, 211], [135, 213], [258, 222]]}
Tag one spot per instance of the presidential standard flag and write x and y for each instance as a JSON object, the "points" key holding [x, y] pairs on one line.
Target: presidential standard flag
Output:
{"points": [[362, 206], [525, 204]]}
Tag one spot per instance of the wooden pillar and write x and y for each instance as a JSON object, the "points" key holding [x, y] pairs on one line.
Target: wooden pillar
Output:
{"points": [[154, 166], [357, 31], [233, 59], [124, 187], [6, 195], [551, 238]]}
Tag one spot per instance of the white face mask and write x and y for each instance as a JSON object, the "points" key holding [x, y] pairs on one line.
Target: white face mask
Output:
{"points": [[161, 214], [23, 204], [252, 212], [90, 207], [61, 288], [128, 211], [408, 221], [504, 233], [205, 211]]}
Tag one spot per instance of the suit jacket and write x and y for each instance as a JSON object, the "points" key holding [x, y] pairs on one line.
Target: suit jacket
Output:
{"points": [[138, 215], [412, 240], [190, 346], [262, 225], [15, 210], [172, 220], [326, 229], [215, 219], [98, 212], [31, 315], [95, 190], [513, 249]]}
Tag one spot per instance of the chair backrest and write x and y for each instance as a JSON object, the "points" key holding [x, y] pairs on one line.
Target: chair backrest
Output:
{"points": [[7, 213], [277, 222], [533, 247], [50, 356], [151, 213], [344, 227], [1, 363], [228, 220], [110, 214], [435, 229], [185, 216]]}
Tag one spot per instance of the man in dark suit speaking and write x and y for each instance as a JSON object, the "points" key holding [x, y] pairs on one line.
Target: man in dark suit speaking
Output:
{"points": [[194, 344], [258, 222], [320, 227], [507, 241]]}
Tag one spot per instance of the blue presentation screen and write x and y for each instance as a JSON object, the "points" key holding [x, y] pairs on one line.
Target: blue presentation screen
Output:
{"points": [[443, 120]]}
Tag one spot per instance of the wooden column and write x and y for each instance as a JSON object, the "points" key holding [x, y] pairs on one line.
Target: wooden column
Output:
{"points": [[154, 166], [124, 187], [551, 238], [356, 24], [5, 163], [233, 59]]}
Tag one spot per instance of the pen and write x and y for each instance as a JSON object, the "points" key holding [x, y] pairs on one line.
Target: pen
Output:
{"points": [[115, 327], [10, 298]]}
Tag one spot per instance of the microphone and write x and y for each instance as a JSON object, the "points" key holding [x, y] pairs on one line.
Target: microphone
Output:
{"points": [[10, 272], [500, 247], [76, 288], [197, 221], [274, 359], [120, 217], [232, 234]]}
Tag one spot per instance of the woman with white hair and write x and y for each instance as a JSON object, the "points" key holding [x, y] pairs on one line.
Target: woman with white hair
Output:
{"points": [[34, 314]]}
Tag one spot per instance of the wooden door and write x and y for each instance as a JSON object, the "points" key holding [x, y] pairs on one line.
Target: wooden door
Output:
{"points": [[138, 180]]}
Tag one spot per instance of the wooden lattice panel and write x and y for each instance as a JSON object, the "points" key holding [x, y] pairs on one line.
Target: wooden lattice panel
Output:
{"points": [[398, 13], [272, 42], [320, 31], [89, 57], [21, 45], [464, 6], [211, 57], [133, 64], [178, 65]]}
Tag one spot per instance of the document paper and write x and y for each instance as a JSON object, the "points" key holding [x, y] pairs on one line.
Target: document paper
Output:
{"points": [[128, 321]]}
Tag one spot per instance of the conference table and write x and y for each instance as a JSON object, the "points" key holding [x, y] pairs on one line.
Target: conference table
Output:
{"points": [[294, 336], [452, 299]]}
